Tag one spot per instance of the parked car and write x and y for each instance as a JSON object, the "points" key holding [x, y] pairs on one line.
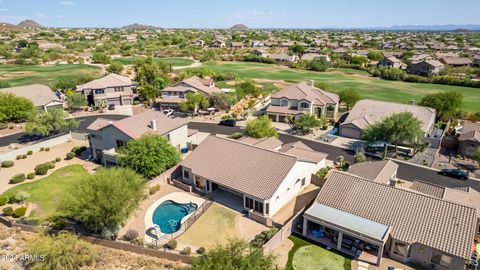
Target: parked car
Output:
{"points": [[230, 122], [168, 112], [455, 173], [111, 107]]}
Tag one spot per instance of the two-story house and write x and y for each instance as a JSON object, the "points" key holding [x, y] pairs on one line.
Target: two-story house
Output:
{"points": [[390, 62], [303, 98], [113, 89], [105, 136], [173, 95], [426, 68]]}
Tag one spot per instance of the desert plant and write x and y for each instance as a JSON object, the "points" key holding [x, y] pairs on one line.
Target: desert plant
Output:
{"points": [[186, 251], [7, 211], [24, 156], [58, 159], [21, 196], [154, 189], [7, 163], [29, 152], [42, 169], [172, 244], [31, 175], [130, 235], [47, 149], [17, 178], [42, 149], [20, 212], [70, 155], [236, 135], [4, 200], [200, 250], [18, 157], [360, 157]]}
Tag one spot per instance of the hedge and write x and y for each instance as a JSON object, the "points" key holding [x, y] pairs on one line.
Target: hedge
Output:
{"points": [[17, 178], [4, 200], [7, 163], [42, 169], [31, 175], [7, 211], [70, 155], [78, 150], [20, 212]]}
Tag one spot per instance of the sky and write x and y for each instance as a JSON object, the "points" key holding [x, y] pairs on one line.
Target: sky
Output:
{"points": [[254, 14]]}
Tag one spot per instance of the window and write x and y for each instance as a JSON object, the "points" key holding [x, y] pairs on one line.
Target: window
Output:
{"points": [[248, 203], [303, 181], [199, 183], [440, 259], [99, 91], [304, 105], [120, 144], [186, 175], [400, 249], [258, 207], [267, 208], [118, 89], [284, 103]]}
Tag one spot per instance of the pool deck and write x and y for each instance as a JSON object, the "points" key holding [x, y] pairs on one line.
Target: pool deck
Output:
{"points": [[178, 197]]}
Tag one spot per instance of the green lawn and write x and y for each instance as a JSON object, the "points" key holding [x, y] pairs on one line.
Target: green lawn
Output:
{"points": [[48, 192], [171, 61], [25, 74], [213, 228], [307, 256], [339, 79]]}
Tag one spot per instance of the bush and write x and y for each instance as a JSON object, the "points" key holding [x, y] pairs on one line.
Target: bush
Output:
{"points": [[4, 200], [21, 197], [18, 178], [31, 175], [20, 211], [78, 150], [360, 157], [346, 165], [47, 149], [42, 149], [154, 189], [322, 173], [138, 242], [58, 159], [42, 169], [263, 237], [7, 211], [3, 126], [186, 251], [24, 156], [200, 250], [236, 135], [70, 155], [172, 244], [130, 235], [58, 222], [29, 152], [7, 163], [29, 221], [18, 157], [50, 165]]}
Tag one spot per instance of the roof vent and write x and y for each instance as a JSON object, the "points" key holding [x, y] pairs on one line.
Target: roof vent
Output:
{"points": [[153, 124]]}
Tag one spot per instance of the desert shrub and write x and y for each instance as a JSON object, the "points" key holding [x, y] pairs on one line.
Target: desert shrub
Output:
{"points": [[21, 196], [236, 135], [24, 156], [263, 237], [29, 152], [42, 169], [137, 241], [18, 157], [130, 235], [58, 159], [50, 165], [78, 150], [3, 126], [17, 178], [31, 175], [7, 163], [47, 149], [154, 189], [7, 211], [200, 250], [172, 244], [29, 221], [322, 173], [58, 222], [42, 149], [186, 251], [20, 211], [70, 155], [4, 200], [360, 157]]}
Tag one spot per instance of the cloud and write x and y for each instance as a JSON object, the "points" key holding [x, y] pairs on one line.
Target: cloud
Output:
{"points": [[259, 15], [66, 3], [42, 15]]}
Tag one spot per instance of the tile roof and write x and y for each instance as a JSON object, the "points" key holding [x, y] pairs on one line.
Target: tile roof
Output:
{"points": [[111, 80], [194, 84], [270, 143], [429, 189], [240, 166], [457, 61], [367, 112], [302, 152], [471, 131], [39, 94], [304, 91], [378, 171], [440, 224]]}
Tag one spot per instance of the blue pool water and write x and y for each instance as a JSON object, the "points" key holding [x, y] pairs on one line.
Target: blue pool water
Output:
{"points": [[168, 215]]}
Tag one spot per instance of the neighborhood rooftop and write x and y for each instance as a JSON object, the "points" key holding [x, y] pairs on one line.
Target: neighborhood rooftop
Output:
{"points": [[39, 94], [305, 91], [111, 80]]}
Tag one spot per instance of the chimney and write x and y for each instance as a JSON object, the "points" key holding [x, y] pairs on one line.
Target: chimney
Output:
{"points": [[312, 83], [153, 124], [412, 102]]}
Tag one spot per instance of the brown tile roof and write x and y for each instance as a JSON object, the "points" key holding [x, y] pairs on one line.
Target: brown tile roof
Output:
{"points": [[270, 143], [367, 112], [99, 123], [194, 84], [239, 166], [457, 61], [111, 80], [39, 94], [471, 131], [283, 109], [378, 171], [304, 91], [302, 152], [414, 217], [429, 189]]}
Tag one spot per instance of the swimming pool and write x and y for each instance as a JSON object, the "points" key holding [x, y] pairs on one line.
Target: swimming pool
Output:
{"points": [[169, 214]]}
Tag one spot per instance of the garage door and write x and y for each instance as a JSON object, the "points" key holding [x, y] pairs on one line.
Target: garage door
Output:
{"points": [[281, 118], [127, 101], [115, 101]]}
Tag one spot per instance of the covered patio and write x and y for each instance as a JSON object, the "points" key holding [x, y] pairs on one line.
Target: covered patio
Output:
{"points": [[353, 235]]}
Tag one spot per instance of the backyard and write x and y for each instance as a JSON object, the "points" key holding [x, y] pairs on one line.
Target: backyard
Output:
{"points": [[24, 74], [47, 193], [307, 256], [339, 79], [174, 61]]}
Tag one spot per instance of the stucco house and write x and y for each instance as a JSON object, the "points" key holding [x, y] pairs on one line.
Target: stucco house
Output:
{"points": [[456, 61], [40, 95], [113, 89], [367, 220], [177, 93], [427, 67], [390, 62], [367, 112], [469, 140], [302, 98], [262, 175], [106, 136]]}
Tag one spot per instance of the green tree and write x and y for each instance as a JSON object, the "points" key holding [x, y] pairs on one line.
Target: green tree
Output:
{"points": [[75, 100], [193, 102], [150, 155], [222, 100], [63, 252], [305, 123], [445, 103], [349, 97], [260, 128], [476, 155], [101, 58], [375, 55], [49, 123], [147, 70], [236, 255], [15, 108], [359, 60], [104, 200], [319, 64], [247, 87], [115, 67], [5, 84], [297, 49], [66, 83]]}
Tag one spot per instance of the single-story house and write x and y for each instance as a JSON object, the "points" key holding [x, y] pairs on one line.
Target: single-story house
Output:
{"points": [[106, 136], [40, 95], [469, 140], [427, 67], [284, 58], [198, 43], [456, 61], [390, 62], [218, 43], [173, 95], [261, 178], [113, 89], [367, 112], [384, 171], [260, 52], [302, 98], [366, 219]]}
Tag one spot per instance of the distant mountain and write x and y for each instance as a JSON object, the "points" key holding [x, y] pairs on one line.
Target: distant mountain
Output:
{"points": [[443, 27], [239, 27], [8, 27], [137, 26], [29, 24]]}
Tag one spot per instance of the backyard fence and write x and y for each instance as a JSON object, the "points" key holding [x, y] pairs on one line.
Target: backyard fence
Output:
{"points": [[284, 232], [317, 180]]}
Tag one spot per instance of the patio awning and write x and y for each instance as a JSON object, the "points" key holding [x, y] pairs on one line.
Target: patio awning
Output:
{"points": [[351, 222]]}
